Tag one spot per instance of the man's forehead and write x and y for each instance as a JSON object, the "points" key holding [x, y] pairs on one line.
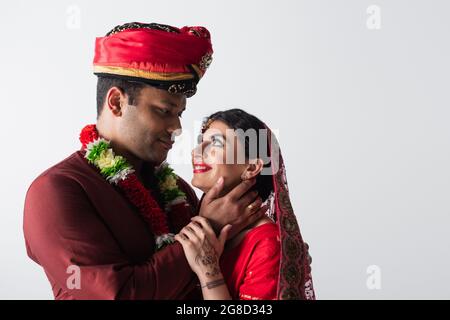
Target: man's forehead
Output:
{"points": [[179, 103], [163, 97]]}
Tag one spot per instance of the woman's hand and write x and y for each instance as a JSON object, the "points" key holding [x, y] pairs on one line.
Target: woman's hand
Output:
{"points": [[202, 247]]}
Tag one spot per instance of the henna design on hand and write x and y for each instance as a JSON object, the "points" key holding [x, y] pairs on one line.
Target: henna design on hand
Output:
{"points": [[208, 258]]}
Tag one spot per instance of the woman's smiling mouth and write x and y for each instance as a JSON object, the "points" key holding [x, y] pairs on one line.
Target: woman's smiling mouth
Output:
{"points": [[201, 167]]}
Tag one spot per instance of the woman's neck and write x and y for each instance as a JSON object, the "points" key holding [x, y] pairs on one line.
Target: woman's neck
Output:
{"points": [[237, 239]]}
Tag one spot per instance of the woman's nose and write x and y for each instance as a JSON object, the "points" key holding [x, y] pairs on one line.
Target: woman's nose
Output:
{"points": [[198, 152]]}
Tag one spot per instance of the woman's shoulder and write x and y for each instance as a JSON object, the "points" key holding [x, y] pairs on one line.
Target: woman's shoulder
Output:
{"points": [[267, 230], [265, 234]]}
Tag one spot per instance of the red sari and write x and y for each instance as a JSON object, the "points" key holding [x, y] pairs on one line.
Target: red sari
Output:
{"points": [[251, 268]]}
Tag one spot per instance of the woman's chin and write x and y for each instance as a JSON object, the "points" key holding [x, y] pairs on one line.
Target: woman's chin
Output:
{"points": [[200, 183]]}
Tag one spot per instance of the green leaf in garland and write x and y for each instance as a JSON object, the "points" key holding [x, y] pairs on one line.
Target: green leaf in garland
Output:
{"points": [[172, 194], [96, 150], [164, 172], [169, 194]]}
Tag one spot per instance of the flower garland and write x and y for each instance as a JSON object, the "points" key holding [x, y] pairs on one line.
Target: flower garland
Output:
{"points": [[119, 172]]}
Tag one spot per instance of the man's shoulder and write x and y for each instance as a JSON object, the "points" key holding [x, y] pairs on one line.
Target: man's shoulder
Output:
{"points": [[70, 163], [67, 171], [60, 186]]}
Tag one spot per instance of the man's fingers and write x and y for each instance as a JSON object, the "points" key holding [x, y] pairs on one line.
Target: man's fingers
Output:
{"points": [[214, 192], [258, 214], [247, 219], [262, 211], [250, 202], [241, 189]]}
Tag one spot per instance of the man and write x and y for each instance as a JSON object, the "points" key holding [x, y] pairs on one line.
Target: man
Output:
{"points": [[95, 221]]}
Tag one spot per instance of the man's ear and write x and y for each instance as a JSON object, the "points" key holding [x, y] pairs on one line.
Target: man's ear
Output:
{"points": [[115, 100], [253, 169]]}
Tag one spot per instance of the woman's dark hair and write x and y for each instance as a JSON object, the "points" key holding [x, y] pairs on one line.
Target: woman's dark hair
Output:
{"points": [[239, 119]]}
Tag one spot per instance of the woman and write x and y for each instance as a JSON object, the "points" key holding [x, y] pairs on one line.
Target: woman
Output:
{"points": [[269, 259]]}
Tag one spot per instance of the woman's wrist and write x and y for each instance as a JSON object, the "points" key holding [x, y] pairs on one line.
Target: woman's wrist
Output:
{"points": [[211, 284], [211, 281]]}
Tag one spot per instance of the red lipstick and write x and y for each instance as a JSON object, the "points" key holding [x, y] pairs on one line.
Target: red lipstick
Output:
{"points": [[201, 167]]}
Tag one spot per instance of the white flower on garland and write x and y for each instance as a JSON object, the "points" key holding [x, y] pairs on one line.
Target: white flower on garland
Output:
{"points": [[168, 186], [114, 168], [106, 159], [169, 183], [121, 175]]}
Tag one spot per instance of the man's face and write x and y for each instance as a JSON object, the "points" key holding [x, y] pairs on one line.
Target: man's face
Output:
{"points": [[148, 128]]}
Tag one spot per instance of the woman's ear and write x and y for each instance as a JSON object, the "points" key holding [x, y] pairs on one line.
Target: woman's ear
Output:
{"points": [[253, 169]]}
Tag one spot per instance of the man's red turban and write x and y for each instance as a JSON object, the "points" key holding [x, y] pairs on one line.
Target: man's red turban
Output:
{"points": [[166, 57]]}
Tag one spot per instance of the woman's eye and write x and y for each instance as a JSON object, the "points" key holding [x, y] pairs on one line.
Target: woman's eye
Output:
{"points": [[217, 143]]}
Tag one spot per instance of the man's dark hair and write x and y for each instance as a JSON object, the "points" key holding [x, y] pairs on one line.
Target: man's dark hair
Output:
{"points": [[239, 119], [130, 88]]}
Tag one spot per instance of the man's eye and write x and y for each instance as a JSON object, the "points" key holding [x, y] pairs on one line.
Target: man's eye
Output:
{"points": [[163, 111]]}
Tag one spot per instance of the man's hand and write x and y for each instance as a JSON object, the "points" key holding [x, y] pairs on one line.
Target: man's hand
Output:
{"points": [[239, 207]]}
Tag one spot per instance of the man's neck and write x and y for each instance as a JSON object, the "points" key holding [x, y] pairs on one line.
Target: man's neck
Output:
{"points": [[122, 151], [131, 159]]}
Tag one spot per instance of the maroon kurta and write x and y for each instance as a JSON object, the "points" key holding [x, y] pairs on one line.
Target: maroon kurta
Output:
{"points": [[73, 216]]}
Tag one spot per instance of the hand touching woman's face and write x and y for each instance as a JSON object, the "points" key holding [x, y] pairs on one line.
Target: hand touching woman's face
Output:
{"points": [[221, 154]]}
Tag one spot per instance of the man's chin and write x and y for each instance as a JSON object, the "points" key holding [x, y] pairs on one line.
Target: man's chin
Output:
{"points": [[153, 162], [157, 159]]}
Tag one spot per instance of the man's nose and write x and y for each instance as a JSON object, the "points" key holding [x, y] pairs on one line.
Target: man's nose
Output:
{"points": [[174, 129]]}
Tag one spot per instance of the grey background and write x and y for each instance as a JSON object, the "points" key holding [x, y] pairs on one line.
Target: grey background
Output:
{"points": [[362, 118]]}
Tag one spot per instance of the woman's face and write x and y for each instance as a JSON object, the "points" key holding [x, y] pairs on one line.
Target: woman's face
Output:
{"points": [[220, 154]]}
